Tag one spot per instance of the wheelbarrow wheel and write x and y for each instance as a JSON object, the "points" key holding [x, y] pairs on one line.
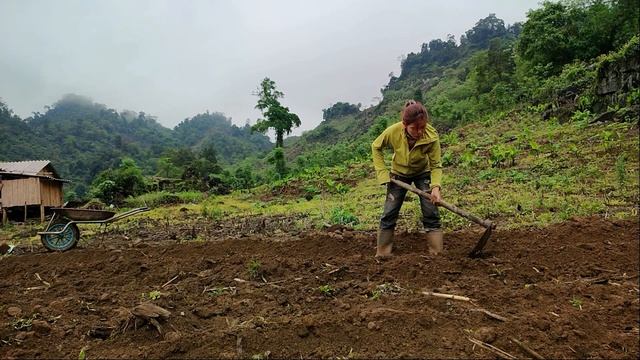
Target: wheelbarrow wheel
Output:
{"points": [[64, 241]]}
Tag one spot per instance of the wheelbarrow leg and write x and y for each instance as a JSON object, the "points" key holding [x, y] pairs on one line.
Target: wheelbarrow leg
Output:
{"points": [[53, 217]]}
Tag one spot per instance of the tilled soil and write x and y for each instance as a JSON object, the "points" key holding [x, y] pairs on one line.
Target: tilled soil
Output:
{"points": [[567, 291]]}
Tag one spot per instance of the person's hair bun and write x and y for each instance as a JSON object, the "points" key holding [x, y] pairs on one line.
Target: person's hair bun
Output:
{"points": [[414, 111]]}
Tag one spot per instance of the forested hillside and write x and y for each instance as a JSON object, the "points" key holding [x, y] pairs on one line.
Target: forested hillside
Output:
{"points": [[568, 60], [231, 143], [83, 138], [564, 127]]}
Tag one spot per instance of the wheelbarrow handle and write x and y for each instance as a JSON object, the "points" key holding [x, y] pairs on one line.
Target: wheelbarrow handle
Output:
{"points": [[454, 209]]}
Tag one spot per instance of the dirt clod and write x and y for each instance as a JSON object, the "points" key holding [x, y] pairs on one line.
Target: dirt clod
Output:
{"points": [[372, 325], [40, 327], [14, 311], [23, 335], [101, 331], [206, 312], [303, 332], [173, 336], [486, 334]]}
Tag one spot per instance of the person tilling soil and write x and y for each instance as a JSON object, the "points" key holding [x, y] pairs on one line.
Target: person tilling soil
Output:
{"points": [[416, 159]]}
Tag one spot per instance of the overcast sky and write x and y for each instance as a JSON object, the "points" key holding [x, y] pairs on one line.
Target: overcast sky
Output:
{"points": [[174, 59]]}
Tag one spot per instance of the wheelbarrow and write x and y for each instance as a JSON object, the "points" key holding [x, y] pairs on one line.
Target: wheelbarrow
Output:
{"points": [[62, 231]]}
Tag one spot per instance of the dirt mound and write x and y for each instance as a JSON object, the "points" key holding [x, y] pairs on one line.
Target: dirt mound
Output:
{"points": [[568, 291]]}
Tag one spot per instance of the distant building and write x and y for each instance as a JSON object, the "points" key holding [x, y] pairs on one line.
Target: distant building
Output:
{"points": [[26, 184]]}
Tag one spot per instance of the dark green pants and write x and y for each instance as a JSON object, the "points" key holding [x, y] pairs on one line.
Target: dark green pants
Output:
{"points": [[395, 198]]}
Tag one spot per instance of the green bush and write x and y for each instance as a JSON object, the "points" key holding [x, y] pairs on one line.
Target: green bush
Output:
{"points": [[335, 187], [488, 174], [341, 216], [581, 116], [447, 158], [114, 185], [468, 159], [159, 198], [502, 155], [518, 177], [212, 213]]}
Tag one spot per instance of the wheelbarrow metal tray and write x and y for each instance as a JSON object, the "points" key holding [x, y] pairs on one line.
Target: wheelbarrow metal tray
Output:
{"points": [[84, 214]]}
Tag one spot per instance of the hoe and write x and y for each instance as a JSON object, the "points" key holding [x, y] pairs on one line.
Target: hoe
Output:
{"points": [[477, 250]]}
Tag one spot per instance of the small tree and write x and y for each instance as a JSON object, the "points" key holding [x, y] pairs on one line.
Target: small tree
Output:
{"points": [[276, 116], [113, 185]]}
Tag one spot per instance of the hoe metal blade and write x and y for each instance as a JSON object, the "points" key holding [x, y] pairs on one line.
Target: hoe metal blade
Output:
{"points": [[477, 250]]}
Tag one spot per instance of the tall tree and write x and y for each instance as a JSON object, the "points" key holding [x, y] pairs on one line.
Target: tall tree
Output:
{"points": [[559, 33], [485, 30], [276, 116]]}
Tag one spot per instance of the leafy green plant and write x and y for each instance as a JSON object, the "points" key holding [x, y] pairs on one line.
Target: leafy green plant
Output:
{"points": [[83, 353], [254, 268], [536, 109], [487, 174], [151, 295], [472, 146], [450, 138], [633, 97], [464, 181], [335, 187], [342, 216], [502, 155], [326, 290], [216, 291], [518, 177], [584, 101], [261, 356], [468, 159], [386, 288], [342, 188], [574, 149], [23, 323], [534, 146], [447, 158], [607, 137], [576, 303]]}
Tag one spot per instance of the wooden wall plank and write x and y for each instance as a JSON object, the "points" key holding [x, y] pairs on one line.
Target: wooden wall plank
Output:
{"points": [[18, 192], [51, 192]]}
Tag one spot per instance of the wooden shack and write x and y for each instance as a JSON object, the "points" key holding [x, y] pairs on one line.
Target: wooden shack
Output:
{"points": [[27, 184]]}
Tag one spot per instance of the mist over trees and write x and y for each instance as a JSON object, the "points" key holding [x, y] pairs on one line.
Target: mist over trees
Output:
{"points": [[83, 138]]}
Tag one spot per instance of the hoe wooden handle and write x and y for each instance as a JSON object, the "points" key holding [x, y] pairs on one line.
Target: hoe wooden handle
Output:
{"points": [[454, 209]]}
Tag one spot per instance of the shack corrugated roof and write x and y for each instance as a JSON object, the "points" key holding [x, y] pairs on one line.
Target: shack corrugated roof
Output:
{"points": [[32, 167]]}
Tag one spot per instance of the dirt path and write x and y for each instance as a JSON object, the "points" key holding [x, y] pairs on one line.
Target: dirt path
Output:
{"points": [[569, 291]]}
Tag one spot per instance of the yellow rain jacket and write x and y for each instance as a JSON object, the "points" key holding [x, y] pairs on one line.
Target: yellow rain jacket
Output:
{"points": [[424, 157]]}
